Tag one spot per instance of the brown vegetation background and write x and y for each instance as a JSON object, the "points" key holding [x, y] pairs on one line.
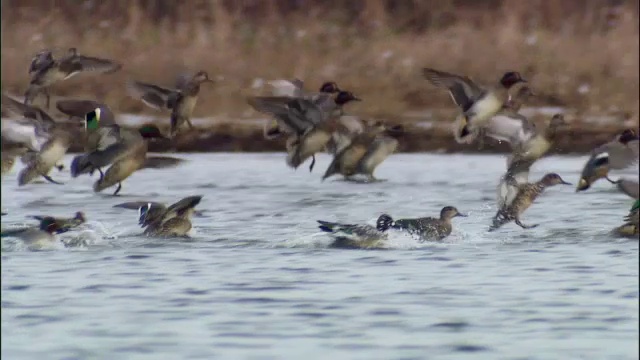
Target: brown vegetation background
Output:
{"points": [[581, 54]]}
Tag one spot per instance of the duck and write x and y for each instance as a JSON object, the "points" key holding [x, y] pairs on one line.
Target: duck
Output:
{"points": [[125, 149], [333, 134], [46, 70], [64, 224], [364, 152], [516, 194], [296, 115], [37, 238], [430, 228], [162, 221], [47, 141], [40, 60], [294, 89], [352, 236], [526, 139], [478, 103], [181, 100], [617, 154]]}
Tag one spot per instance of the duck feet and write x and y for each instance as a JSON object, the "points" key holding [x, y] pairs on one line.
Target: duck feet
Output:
{"points": [[49, 179], [117, 189], [525, 226], [313, 163]]}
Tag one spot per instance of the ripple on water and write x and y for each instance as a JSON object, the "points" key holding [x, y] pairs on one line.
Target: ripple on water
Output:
{"points": [[257, 279]]}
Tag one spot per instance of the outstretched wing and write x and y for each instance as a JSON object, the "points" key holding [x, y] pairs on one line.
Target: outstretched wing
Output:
{"points": [[154, 96], [462, 89]]}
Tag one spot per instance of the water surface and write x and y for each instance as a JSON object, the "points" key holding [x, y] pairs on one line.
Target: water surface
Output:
{"points": [[258, 281]]}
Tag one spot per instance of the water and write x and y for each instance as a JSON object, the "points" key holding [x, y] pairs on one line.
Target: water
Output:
{"points": [[258, 281]]}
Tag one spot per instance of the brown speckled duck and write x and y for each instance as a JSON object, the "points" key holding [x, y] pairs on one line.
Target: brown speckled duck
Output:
{"points": [[516, 194], [429, 228], [45, 70], [181, 101], [162, 221]]}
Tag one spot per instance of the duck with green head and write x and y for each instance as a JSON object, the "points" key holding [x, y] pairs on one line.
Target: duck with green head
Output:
{"points": [[39, 237], [64, 224], [124, 149]]}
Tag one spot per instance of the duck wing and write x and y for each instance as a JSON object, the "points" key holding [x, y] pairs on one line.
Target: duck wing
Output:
{"points": [[24, 132], [462, 89], [154, 96], [278, 107], [183, 206], [28, 111], [291, 88], [80, 63], [80, 108], [629, 187], [516, 176], [135, 205], [511, 127], [161, 162], [620, 156]]}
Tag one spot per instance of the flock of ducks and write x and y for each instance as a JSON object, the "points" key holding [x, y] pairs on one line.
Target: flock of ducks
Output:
{"points": [[312, 122]]}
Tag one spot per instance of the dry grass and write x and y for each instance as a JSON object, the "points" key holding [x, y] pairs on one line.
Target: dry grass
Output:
{"points": [[374, 48]]}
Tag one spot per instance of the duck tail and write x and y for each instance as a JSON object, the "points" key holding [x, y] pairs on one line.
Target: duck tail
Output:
{"points": [[294, 158], [461, 131], [384, 222]]}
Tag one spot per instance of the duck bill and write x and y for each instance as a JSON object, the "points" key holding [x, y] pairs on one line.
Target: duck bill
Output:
{"points": [[565, 183], [462, 215], [355, 98]]}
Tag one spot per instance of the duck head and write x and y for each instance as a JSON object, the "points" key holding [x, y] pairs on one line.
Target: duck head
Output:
{"points": [[80, 217], [596, 168], [329, 87], [344, 97], [628, 135], [151, 131], [384, 222], [449, 212], [143, 212], [202, 77], [552, 179], [395, 129], [92, 119], [511, 78]]}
